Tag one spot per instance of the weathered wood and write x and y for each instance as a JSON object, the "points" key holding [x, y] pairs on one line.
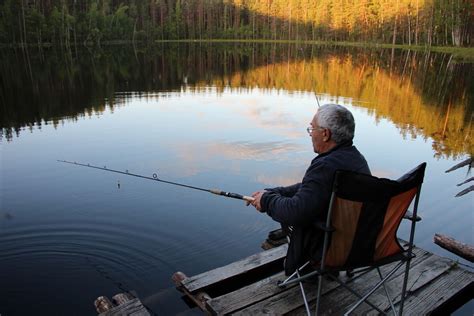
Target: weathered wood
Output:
{"points": [[266, 245], [121, 298], [246, 296], [270, 244], [178, 278], [466, 162], [254, 296], [286, 301], [433, 282], [438, 292], [103, 304], [201, 281], [198, 298], [419, 276], [461, 249], [132, 307], [466, 181], [338, 300], [465, 191]]}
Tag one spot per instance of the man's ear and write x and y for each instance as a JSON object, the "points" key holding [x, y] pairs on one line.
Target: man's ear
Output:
{"points": [[326, 135]]}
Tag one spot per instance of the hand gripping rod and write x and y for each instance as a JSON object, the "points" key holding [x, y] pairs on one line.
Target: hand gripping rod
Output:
{"points": [[155, 178]]}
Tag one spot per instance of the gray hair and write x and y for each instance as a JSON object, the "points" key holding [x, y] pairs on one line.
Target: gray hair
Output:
{"points": [[338, 120]]}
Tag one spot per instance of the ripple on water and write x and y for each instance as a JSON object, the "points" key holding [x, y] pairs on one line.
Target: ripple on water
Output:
{"points": [[122, 247]]}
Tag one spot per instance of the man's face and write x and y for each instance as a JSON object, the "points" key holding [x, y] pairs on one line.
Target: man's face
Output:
{"points": [[317, 135]]}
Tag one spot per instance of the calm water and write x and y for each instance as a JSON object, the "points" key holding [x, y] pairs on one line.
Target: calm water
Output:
{"points": [[231, 117]]}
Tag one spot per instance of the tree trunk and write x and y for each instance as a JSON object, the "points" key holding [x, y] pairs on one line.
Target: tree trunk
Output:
{"points": [[416, 23], [394, 38], [225, 16], [409, 30], [289, 24], [23, 22], [430, 30], [162, 24]]}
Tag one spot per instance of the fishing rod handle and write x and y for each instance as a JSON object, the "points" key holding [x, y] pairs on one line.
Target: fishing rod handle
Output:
{"points": [[232, 195]]}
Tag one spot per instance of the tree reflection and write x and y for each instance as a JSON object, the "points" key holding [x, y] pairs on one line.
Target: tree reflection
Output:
{"points": [[425, 94]]}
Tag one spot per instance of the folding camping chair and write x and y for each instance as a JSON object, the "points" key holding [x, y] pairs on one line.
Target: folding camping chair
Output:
{"points": [[360, 233]]}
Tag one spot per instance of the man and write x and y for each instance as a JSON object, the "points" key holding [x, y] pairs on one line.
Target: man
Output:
{"points": [[300, 205]]}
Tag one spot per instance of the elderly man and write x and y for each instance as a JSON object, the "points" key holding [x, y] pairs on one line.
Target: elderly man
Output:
{"points": [[300, 205]]}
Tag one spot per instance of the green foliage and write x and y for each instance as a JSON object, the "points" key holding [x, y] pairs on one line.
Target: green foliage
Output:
{"points": [[431, 22]]}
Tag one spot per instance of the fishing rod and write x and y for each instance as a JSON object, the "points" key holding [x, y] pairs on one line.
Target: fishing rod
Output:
{"points": [[317, 100], [155, 178]]}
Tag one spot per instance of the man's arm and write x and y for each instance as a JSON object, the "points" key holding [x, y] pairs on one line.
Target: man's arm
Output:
{"points": [[287, 191], [307, 204]]}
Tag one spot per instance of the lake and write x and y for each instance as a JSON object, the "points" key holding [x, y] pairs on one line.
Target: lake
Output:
{"points": [[227, 116]]}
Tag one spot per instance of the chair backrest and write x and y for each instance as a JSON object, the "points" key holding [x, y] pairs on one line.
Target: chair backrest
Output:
{"points": [[366, 212]]}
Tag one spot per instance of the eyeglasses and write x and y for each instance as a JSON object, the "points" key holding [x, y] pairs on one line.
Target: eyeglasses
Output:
{"points": [[311, 129]]}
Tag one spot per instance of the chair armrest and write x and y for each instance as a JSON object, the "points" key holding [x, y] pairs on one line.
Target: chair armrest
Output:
{"points": [[323, 227], [409, 215]]}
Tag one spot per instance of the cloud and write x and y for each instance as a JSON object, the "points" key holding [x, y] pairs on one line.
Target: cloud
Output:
{"points": [[192, 158], [288, 178]]}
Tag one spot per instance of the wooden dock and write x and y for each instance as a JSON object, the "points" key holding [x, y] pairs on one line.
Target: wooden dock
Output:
{"points": [[436, 285], [122, 304]]}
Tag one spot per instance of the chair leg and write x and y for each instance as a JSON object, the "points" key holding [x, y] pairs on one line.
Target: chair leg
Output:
{"points": [[364, 298], [386, 292], [284, 282], [318, 297], [404, 287], [304, 295]]}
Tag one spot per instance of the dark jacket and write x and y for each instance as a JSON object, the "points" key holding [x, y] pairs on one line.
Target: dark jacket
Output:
{"points": [[303, 204]]}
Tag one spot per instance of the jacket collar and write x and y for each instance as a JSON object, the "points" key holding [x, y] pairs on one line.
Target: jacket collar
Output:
{"points": [[337, 147]]}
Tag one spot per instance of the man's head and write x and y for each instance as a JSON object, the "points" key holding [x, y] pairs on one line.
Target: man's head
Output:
{"points": [[332, 125]]}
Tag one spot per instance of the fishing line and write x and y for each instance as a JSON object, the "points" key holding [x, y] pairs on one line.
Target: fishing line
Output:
{"points": [[121, 286]]}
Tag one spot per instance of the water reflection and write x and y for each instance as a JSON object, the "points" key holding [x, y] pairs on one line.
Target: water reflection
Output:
{"points": [[75, 226], [426, 95]]}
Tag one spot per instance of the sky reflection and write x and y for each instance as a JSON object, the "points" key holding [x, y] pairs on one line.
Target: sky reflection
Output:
{"points": [[236, 141], [239, 129]]}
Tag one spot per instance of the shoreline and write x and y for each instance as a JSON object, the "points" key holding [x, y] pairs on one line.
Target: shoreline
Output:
{"points": [[463, 54]]}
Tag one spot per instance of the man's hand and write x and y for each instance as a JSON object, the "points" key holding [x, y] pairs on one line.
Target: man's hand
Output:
{"points": [[256, 202]]}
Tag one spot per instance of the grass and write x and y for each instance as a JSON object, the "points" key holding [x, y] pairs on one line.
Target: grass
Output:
{"points": [[460, 54]]}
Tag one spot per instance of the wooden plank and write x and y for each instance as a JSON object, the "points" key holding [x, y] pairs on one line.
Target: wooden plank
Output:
{"points": [[438, 292], [339, 300], [246, 296], [433, 281], [200, 281], [286, 301], [465, 191], [132, 307], [291, 300], [279, 302], [269, 244], [103, 304], [466, 162], [420, 274]]}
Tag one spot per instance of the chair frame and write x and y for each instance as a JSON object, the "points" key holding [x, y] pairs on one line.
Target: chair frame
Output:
{"points": [[404, 258]]}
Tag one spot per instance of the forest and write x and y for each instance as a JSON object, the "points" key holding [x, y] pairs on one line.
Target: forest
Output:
{"points": [[96, 22]]}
